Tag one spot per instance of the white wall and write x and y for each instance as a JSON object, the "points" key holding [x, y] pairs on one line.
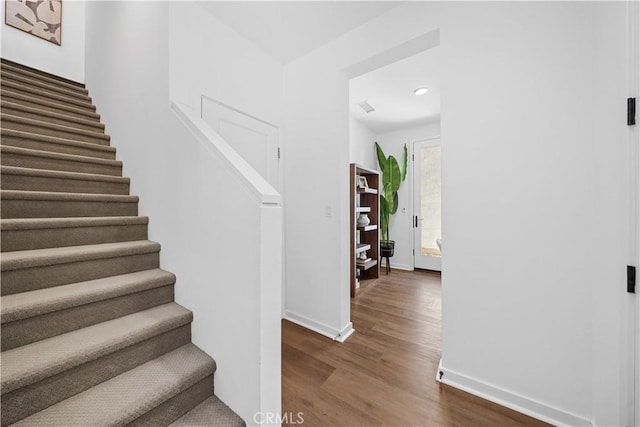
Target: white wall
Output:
{"points": [[520, 167], [66, 60], [401, 224], [200, 214], [208, 57], [361, 140]]}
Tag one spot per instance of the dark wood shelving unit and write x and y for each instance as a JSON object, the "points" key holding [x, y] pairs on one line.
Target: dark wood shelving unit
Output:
{"points": [[367, 201]]}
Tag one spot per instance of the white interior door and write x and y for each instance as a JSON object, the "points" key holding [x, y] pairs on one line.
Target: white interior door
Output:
{"points": [[255, 140], [427, 206]]}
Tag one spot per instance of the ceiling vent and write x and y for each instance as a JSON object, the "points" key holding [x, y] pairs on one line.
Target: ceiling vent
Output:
{"points": [[366, 107]]}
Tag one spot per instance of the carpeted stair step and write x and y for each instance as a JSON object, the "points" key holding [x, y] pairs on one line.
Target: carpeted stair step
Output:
{"points": [[24, 271], [33, 73], [155, 393], [45, 128], [28, 179], [28, 317], [211, 412], [71, 363], [49, 105], [23, 234], [38, 93], [42, 204], [32, 141], [45, 86], [37, 159], [24, 111], [33, 79]]}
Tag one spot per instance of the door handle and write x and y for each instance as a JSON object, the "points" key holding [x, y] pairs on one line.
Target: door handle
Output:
{"points": [[415, 221]]}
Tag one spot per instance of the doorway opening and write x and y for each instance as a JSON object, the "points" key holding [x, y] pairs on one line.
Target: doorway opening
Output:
{"points": [[396, 106]]}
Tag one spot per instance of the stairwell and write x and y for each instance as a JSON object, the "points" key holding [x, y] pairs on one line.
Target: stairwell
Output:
{"points": [[91, 335]]}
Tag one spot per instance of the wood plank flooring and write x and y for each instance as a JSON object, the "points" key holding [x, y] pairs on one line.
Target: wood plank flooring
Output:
{"points": [[384, 374]]}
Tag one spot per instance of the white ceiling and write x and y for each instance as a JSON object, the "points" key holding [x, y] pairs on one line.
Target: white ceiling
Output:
{"points": [[390, 91], [288, 30]]}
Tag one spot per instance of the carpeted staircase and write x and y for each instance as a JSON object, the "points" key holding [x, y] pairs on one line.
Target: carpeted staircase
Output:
{"points": [[91, 335]]}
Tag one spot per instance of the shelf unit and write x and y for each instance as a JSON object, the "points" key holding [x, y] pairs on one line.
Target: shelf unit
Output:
{"points": [[364, 201]]}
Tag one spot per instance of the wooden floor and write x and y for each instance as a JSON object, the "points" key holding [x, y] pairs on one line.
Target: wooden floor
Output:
{"points": [[384, 374]]}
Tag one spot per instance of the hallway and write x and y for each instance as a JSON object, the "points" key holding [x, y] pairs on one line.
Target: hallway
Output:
{"points": [[385, 373]]}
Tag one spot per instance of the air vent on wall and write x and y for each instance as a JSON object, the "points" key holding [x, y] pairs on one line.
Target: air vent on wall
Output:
{"points": [[366, 107]]}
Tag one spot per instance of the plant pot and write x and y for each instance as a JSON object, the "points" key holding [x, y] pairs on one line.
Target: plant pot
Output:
{"points": [[386, 248]]}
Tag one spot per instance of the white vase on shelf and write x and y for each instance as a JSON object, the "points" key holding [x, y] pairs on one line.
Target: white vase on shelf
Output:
{"points": [[363, 220]]}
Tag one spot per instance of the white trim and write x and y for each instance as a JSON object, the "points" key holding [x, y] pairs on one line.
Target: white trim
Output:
{"points": [[208, 98], [339, 335], [396, 266], [510, 400], [633, 85], [256, 185], [345, 333]]}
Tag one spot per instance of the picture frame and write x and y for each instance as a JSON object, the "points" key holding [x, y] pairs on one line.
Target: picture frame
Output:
{"points": [[362, 182], [40, 18]]}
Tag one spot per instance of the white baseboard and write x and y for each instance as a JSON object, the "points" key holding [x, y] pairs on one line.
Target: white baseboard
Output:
{"points": [[383, 265], [511, 400], [337, 335], [345, 333], [401, 267]]}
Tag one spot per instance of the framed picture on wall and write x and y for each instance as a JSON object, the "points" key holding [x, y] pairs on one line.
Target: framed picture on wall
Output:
{"points": [[41, 18]]}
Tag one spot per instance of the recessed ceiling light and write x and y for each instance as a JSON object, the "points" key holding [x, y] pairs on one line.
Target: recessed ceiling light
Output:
{"points": [[421, 91]]}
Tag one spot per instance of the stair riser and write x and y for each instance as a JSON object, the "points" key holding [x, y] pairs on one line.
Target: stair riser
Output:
{"points": [[39, 84], [43, 130], [65, 208], [66, 384], [177, 406], [57, 148], [34, 162], [30, 279], [48, 96], [26, 331], [46, 90], [22, 240], [42, 183], [34, 75], [55, 120], [51, 105]]}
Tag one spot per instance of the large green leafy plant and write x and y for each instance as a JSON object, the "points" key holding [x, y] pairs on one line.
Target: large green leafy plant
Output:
{"points": [[393, 174]]}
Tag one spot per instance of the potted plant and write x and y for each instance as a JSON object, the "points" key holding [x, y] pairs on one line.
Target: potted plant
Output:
{"points": [[393, 174]]}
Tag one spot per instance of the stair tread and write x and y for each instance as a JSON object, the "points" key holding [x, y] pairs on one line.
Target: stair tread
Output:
{"points": [[42, 75], [34, 362], [60, 196], [51, 256], [4, 117], [53, 139], [48, 223], [58, 156], [16, 170], [4, 93], [129, 395], [78, 103], [211, 412], [47, 113], [35, 303], [44, 84]]}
